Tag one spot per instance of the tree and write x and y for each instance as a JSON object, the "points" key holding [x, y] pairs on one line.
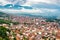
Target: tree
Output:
{"points": [[3, 33]]}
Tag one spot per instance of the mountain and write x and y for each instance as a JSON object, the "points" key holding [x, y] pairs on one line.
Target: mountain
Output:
{"points": [[17, 7], [1, 6], [3, 14], [8, 6], [27, 7]]}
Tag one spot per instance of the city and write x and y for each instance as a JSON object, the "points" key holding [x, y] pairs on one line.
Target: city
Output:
{"points": [[29, 19], [30, 28]]}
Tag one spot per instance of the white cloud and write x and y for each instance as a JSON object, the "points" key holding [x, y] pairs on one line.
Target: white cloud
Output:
{"points": [[34, 11], [4, 2], [49, 10], [19, 2], [21, 10], [31, 10], [30, 2]]}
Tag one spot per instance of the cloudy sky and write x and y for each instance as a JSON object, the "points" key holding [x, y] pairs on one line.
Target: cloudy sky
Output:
{"points": [[35, 7]]}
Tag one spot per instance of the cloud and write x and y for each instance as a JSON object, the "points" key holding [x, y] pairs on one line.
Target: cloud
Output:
{"points": [[4, 2], [48, 3], [45, 5], [21, 10], [14, 2], [38, 7], [30, 2], [34, 11]]}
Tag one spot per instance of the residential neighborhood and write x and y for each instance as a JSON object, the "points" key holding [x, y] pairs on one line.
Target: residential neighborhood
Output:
{"points": [[32, 29]]}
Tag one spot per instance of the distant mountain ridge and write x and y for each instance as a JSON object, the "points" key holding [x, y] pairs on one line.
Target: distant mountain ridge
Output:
{"points": [[15, 6], [37, 16], [3, 14]]}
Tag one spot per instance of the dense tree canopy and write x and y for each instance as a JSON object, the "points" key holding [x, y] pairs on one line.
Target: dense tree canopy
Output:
{"points": [[3, 34]]}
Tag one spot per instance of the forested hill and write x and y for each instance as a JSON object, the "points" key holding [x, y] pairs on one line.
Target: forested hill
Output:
{"points": [[3, 14]]}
